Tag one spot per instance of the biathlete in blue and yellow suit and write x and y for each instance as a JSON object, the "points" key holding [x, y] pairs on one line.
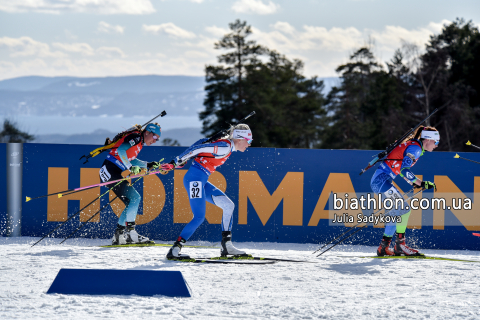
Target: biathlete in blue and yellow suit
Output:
{"points": [[399, 162], [123, 156], [207, 157]]}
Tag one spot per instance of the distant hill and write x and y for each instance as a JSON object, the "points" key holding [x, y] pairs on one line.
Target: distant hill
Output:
{"points": [[108, 96], [129, 95], [185, 136], [70, 99], [106, 85]]}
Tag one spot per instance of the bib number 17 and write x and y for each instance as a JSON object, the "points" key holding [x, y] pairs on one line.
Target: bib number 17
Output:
{"points": [[195, 189]]}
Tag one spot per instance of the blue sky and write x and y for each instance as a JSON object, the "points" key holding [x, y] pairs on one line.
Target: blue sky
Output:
{"points": [[176, 37]]}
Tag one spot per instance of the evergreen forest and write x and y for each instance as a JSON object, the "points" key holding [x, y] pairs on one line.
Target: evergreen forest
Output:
{"points": [[374, 104]]}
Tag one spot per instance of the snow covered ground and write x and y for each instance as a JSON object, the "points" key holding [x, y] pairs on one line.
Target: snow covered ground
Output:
{"points": [[340, 286]]}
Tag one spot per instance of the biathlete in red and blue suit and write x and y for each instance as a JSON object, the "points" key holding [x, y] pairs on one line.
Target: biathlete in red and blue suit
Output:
{"points": [[123, 156], [399, 162], [206, 158]]}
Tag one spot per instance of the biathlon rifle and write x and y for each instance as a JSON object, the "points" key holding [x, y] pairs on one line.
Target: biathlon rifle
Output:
{"points": [[381, 156], [224, 132], [109, 143]]}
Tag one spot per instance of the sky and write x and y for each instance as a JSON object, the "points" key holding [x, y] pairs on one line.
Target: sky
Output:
{"points": [[90, 38]]}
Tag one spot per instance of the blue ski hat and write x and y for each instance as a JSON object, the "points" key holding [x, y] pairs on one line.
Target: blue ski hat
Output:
{"points": [[154, 128]]}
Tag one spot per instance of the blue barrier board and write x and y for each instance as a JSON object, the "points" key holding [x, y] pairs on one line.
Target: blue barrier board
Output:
{"points": [[120, 282]]}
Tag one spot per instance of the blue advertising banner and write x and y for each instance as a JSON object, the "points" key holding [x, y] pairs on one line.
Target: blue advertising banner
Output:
{"points": [[280, 195]]}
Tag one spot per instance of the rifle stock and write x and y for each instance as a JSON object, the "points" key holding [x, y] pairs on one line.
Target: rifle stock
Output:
{"points": [[223, 132], [108, 146], [386, 152]]}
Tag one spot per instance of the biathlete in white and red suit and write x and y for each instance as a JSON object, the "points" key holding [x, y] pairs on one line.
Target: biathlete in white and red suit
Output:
{"points": [[123, 156], [207, 157], [399, 162]]}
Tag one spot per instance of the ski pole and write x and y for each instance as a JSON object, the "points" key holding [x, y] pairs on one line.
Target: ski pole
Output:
{"points": [[348, 236], [101, 209], [62, 193], [356, 225], [458, 157], [350, 229], [341, 240], [61, 224], [81, 226], [470, 144]]}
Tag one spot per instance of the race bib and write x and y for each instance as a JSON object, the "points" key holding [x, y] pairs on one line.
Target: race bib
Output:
{"points": [[195, 189], [104, 174], [393, 194]]}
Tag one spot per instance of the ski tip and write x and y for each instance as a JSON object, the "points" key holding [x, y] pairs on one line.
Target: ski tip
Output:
{"points": [[456, 156], [60, 195], [28, 199], [468, 143]]}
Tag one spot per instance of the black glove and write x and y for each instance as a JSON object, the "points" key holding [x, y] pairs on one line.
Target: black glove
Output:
{"points": [[177, 164], [153, 165], [429, 185]]}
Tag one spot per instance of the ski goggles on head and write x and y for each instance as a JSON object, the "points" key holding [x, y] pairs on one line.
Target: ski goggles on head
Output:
{"points": [[249, 141], [431, 135]]}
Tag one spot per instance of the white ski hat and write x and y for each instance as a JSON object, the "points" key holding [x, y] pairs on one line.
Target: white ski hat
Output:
{"points": [[239, 134], [432, 135]]}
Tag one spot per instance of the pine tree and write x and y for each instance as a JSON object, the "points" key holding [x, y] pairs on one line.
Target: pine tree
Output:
{"points": [[225, 93], [11, 133], [288, 106]]}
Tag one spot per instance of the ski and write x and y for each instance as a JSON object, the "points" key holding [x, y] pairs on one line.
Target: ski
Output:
{"points": [[412, 257], [250, 257], [151, 245], [210, 260]]}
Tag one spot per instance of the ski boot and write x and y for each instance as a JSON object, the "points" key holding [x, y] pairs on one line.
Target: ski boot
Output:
{"points": [[174, 252], [132, 237], [119, 236], [227, 246], [384, 247], [401, 249]]}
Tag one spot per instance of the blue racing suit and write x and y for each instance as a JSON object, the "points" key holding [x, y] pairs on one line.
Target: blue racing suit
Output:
{"points": [[207, 157], [382, 180], [123, 157]]}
